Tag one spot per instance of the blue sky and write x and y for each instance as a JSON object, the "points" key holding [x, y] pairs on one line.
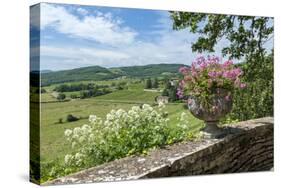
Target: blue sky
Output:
{"points": [[75, 36]]}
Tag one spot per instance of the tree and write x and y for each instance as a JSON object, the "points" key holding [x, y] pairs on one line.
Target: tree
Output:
{"points": [[148, 84], [165, 92], [43, 90], [246, 36], [155, 83], [61, 97], [71, 118], [172, 94], [73, 96]]}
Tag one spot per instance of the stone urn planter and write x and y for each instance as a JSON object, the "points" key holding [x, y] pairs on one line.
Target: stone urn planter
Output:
{"points": [[218, 106]]}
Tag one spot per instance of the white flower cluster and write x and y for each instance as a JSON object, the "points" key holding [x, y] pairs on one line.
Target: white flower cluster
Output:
{"points": [[79, 135], [119, 127], [183, 121], [76, 159]]}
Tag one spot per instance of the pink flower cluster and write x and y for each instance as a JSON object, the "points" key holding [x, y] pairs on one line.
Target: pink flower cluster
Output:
{"points": [[206, 73]]}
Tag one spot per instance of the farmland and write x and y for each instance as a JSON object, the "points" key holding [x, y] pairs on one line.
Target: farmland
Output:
{"points": [[53, 143], [67, 104]]}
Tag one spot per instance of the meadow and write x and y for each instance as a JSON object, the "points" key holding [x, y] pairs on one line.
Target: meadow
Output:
{"points": [[53, 142]]}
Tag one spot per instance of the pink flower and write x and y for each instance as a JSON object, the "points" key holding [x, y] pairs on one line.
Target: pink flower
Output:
{"points": [[187, 78], [242, 85], [227, 63], [219, 73], [209, 70], [184, 70], [237, 71], [203, 65], [181, 83], [227, 97], [212, 74], [194, 74], [180, 93], [213, 60]]}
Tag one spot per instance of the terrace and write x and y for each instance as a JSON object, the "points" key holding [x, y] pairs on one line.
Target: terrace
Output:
{"points": [[247, 147]]}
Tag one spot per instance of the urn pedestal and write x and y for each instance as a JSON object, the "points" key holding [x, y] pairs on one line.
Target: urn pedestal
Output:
{"points": [[218, 106]]}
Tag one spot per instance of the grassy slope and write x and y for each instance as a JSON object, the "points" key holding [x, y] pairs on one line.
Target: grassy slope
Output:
{"points": [[85, 73], [52, 139], [96, 73]]}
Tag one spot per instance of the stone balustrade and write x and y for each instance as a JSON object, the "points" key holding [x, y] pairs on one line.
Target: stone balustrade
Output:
{"points": [[247, 147]]}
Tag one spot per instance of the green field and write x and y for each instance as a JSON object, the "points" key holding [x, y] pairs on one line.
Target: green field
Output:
{"points": [[53, 143]]}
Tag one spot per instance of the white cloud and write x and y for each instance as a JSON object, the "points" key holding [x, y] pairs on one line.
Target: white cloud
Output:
{"points": [[118, 45], [82, 11], [83, 53], [101, 28], [170, 48]]}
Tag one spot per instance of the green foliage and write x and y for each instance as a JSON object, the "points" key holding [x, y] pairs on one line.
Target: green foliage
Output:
{"points": [[74, 96], [155, 83], [152, 71], [123, 133], [93, 93], [170, 90], [85, 73], [96, 73], [121, 85], [61, 97], [165, 92], [42, 90], [256, 100], [173, 94], [247, 36], [76, 87], [60, 120], [54, 145], [148, 84], [71, 118]]}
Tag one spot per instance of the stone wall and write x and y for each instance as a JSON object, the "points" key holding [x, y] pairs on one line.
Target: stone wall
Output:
{"points": [[247, 147]]}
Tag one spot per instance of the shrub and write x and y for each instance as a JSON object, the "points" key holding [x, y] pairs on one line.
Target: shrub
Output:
{"points": [[123, 133], [60, 120], [256, 100], [71, 118], [74, 96], [61, 97], [148, 84], [43, 90]]}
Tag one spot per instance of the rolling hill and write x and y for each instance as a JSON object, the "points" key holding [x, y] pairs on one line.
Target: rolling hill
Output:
{"points": [[97, 73]]}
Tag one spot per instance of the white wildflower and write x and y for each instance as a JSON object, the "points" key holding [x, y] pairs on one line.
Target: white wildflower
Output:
{"points": [[79, 158], [68, 159], [82, 139], [73, 144], [120, 112], [161, 105], [67, 132], [183, 116], [92, 118], [109, 117], [135, 108], [76, 131]]}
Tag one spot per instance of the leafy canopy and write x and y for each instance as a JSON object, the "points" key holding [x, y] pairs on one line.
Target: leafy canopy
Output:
{"points": [[246, 34]]}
